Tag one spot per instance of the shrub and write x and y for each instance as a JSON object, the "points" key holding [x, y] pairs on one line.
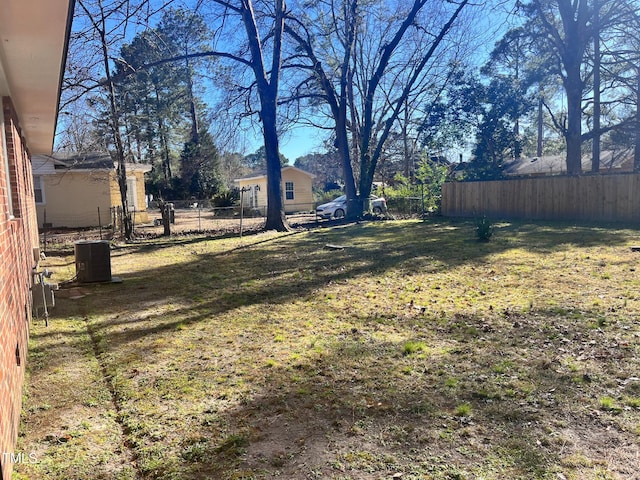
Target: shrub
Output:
{"points": [[227, 198], [326, 196], [422, 194], [484, 229]]}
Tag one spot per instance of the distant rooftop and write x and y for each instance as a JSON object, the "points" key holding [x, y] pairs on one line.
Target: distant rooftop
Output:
{"points": [[610, 161], [88, 161]]}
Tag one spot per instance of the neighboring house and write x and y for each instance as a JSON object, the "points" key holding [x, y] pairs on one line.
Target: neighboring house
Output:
{"points": [[33, 42], [82, 190], [297, 190], [611, 161]]}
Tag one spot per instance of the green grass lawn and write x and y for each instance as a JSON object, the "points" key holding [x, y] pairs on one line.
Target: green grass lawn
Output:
{"points": [[414, 352]]}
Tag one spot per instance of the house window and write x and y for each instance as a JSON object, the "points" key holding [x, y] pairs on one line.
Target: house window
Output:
{"points": [[38, 190], [288, 190]]}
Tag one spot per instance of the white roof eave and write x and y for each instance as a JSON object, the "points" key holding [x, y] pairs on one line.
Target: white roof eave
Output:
{"points": [[33, 45]]}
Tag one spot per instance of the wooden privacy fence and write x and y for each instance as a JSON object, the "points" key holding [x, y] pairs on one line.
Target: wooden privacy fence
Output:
{"points": [[587, 198]]}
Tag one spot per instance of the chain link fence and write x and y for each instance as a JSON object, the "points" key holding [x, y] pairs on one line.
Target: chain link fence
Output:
{"points": [[202, 216]]}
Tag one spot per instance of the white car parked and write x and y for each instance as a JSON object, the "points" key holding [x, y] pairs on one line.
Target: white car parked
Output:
{"points": [[337, 208]]}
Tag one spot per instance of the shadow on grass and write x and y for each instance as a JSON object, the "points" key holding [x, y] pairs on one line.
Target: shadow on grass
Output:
{"points": [[286, 268], [365, 407], [358, 403]]}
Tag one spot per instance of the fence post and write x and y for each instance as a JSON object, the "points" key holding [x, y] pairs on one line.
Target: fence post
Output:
{"points": [[121, 218], [241, 209], [166, 220], [44, 230]]}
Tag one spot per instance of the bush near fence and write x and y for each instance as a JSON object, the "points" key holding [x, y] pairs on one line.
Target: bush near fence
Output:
{"points": [[411, 199], [405, 205], [612, 197]]}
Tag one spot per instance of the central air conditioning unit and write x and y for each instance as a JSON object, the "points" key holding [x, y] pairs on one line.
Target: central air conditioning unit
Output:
{"points": [[93, 261]]}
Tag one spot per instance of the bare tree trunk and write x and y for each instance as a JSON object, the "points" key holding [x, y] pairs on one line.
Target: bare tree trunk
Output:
{"points": [[408, 155], [371, 149], [100, 25], [166, 155], [517, 148], [540, 127], [276, 219], [164, 142], [595, 157], [636, 149], [570, 39], [573, 135], [195, 134], [346, 99], [267, 86], [344, 153], [166, 219]]}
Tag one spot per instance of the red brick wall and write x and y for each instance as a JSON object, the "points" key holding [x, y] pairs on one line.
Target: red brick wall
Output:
{"points": [[18, 237]]}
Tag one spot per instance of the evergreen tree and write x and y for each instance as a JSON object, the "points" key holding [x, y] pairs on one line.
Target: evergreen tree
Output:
{"points": [[200, 168]]}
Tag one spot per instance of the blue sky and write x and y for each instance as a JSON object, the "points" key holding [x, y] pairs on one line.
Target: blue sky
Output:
{"points": [[299, 143], [303, 139]]}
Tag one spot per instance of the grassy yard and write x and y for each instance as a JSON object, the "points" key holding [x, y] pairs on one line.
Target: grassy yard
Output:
{"points": [[414, 352]]}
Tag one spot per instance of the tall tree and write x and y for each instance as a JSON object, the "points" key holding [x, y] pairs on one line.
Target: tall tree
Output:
{"points": [[151, 99], [499, 106], [183, 32], [566, 29], [105, 22], [595, 150], [366, 62], [514, 76], [620, 64], [261, 53], [452, 117], [165, 98], [332, 85]]}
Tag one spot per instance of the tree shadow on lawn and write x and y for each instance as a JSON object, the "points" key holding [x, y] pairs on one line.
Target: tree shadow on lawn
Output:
{"points": [[360, 404], [532, 235], [364, 407], [281, 270]]}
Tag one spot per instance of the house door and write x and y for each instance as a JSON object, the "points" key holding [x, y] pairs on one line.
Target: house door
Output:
{"points": [[254, 197], [132, 196]]}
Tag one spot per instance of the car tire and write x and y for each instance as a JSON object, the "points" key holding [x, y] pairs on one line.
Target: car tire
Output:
{"points": [[377, 210], [339, 213]]}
